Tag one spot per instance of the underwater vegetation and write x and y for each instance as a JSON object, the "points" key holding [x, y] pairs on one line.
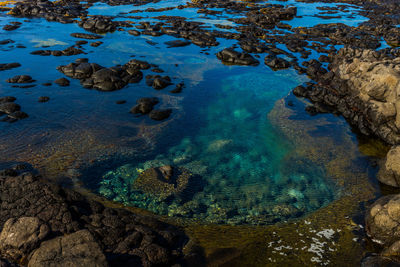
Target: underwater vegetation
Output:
{"points": [[244, 171]]}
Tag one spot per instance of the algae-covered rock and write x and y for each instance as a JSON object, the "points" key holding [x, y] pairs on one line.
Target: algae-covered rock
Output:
{"points": [[166, 182]]}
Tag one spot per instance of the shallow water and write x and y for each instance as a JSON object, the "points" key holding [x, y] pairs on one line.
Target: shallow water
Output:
{"points": [[256, 157], [248, 175], [219, 132]]}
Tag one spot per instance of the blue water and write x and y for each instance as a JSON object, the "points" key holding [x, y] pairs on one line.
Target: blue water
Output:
{"points": [[246, 166], [245, 170]]}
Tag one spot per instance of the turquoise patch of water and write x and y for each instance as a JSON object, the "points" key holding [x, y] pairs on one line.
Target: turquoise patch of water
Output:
{"points": [[248, 172]]}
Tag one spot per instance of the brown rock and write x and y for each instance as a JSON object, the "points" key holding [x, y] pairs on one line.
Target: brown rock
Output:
{"points": [[20, 236], [77, 249]]}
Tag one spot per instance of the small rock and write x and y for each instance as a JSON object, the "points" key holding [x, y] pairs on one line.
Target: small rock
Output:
{"points": [[62, 82]]}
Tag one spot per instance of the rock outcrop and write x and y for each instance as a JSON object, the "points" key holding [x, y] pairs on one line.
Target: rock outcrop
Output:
{"points": [[44, 225], [363, 85], [20, 236]]}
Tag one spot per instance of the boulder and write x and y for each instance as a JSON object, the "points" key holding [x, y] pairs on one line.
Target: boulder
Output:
{"points": [[144, 105], [389, 172], [383, 220], [77, 249], [160, 114], [230, 56], [20, 236]]}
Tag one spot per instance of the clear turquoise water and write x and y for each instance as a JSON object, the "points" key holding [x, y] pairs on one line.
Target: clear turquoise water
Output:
{"points": [[247, 172]]}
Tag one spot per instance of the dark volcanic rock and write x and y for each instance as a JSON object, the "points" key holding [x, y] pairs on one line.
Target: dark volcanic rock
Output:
{"points": [[83, 230], [160, 114], [276, 63], [9, 107], [43, 99], [21, 79], [95, 76], [178, 88], [144, 105], [70, 51], [62, 11], [96, 44], [177, 43], [62, 82], [100, 24], [158, 82], [10, 111], [230, 56], [8, 66], [86, 36], [6, 99]]}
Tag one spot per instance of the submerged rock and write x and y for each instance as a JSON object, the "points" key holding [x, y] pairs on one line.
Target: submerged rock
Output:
{"points": [[276, 63], [8, 66], [86, 36], [95, 76], [21, 79], [160, 114], [166, 183], [144, 105], [62, 82], [158, 82]]}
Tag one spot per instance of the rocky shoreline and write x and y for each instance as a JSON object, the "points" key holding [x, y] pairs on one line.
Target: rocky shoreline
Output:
{"points": [[361, 84], [43, 224]]}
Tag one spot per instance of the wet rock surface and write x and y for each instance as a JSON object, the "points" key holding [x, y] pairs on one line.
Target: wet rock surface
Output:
{"points": [[231, 56], [70, 51], [8, 66], [144, 105], [21, 79], [61, 11], [10, 111], [97, 77], [59, 227]]}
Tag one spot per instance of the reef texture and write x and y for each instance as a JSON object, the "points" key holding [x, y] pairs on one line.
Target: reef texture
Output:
{"points": [[45, 225]]}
